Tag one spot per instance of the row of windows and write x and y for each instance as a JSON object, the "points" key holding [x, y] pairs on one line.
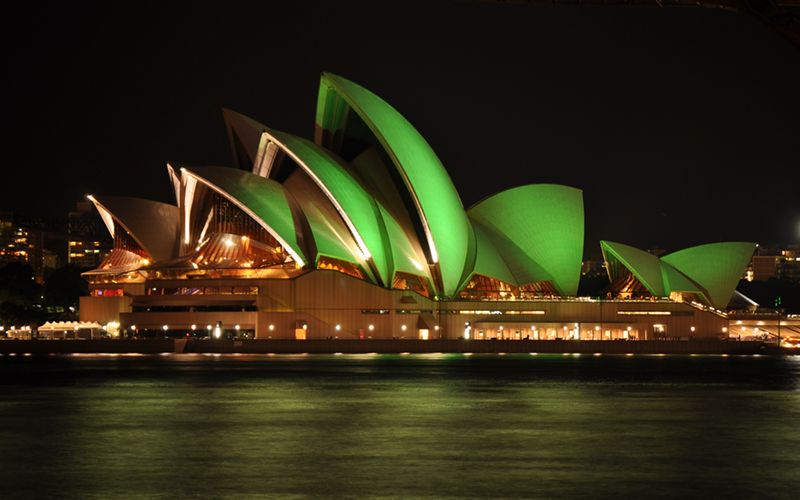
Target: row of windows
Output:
{"points": [[452, 311], [208, 290], [74, 243], [218, 308], [655, 313]]}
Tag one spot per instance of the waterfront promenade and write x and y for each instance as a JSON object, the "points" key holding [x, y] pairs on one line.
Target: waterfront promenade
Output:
{"points": [[156, 346]]}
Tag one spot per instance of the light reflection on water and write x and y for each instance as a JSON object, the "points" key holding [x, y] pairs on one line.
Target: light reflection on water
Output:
{"points": [[436, 426]]}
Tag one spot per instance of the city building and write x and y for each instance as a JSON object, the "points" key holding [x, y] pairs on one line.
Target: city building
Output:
{"points": [[594, 268], [789, 267], [87, 242], [360, 233], [14, 241], [24, 241], [775, 263]]}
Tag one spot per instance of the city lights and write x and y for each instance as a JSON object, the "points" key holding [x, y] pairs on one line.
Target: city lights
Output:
{"points": [[234, 254]]}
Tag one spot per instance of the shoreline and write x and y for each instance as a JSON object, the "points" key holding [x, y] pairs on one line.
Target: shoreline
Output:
{"points": [[189, 346]]}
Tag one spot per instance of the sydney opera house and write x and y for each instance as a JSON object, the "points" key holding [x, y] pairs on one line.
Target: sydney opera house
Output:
{"points": [[360, 233]]}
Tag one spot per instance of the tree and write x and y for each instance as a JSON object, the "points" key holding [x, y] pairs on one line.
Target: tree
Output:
{"points": [[64, 287], [17, 284], [19, 294]]}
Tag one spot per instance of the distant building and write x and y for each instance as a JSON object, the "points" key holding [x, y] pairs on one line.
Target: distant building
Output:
{"points": [[789, 265], [87, 243], [14, 245], [593, 268], [20, 242], [50, 259], [773, 263], [764, 267]]}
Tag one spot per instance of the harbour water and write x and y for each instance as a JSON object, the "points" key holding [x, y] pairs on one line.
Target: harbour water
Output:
{"points": [[414, 426]]}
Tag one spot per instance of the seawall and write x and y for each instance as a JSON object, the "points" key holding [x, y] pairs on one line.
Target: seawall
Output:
{"points": [[156, 346]]}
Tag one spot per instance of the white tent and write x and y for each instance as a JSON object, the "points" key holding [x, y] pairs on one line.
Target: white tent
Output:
{"points": [[69, 326]]}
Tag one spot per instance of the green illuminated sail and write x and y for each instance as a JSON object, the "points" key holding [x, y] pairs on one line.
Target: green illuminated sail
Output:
{"points": [[437, 203], [544, 224]]}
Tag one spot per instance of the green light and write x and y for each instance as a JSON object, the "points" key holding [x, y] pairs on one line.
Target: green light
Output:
{"points": [[438, 204], [717, 267], [265, 200], [488, 260], [710, 271], [406, 257], [357, 207], [538, 231], [675, 281], [644, 266]]}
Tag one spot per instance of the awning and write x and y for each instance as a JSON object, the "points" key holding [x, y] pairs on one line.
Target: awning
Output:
{"points": [[64, 326]]}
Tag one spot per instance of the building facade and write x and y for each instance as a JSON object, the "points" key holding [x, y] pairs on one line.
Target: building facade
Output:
{"points": [[26, 241], [775, 263], [360, 233]]}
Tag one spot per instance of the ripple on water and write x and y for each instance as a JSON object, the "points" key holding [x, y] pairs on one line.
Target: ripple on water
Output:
{"points": [[399, 425]]}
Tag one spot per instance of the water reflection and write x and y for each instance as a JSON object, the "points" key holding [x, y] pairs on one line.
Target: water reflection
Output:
{"points": [[402, 425]]}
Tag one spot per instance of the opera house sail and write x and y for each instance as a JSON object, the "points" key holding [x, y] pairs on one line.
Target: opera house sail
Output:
{"points": [[360, 233]]}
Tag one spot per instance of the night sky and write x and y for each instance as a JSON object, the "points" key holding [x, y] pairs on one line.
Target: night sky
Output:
{"points": [[682, 126]]}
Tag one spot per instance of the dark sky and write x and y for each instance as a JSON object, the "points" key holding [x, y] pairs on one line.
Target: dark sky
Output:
{"points": [[682, 126]]}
